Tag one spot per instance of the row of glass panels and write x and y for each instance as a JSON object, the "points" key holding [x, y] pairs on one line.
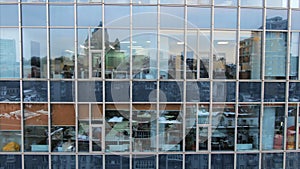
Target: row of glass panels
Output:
{"points": [[196, 17], [190, 161], [142, 57]]}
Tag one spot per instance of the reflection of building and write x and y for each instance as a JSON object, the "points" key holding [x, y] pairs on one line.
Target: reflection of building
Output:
{"points": [[9, 65]]}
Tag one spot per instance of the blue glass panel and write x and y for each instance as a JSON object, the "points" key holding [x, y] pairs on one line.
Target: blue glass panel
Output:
{"points": [[274, 92], [117, 91], [198, 17], [224, 91], [34, 15], [226, 2], [90, 161], [36, 161], [63, 161], [251, 18], [170, 161], [276, 19], [142, 13], [10, 91], [172, 17], [197, 91], [222, 161], [229, 14], [294, 92], [116, 19], [61, 15], [90, 91], [171, 91], [84, 14], [144, 91], [145, 161], [10, 161], [249, 92], [62, 91], [295, 20], [272, 160], [250, 161], [292, 160], [196, 161], [115, 161], [34, 91], [9, 15]]}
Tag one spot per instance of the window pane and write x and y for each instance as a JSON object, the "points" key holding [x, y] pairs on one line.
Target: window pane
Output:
{"points": [[34, 15], [144, 91], [291, 127], [10, 53], [198, 17], [62, 91], [294, 95], [9, 15], [140, 14], [144, 1], [273, 127], [250, 92], [224, 91], [224, 59], [275, 63], [83, 52], [247, 161], [115, 161], [292, 160], [117, 91], [198, 2], [62, 53], [294, 54], [225, 2], [272, 160], [171, 1], [63, 128], [61, 15], [84, 14], [116, 19], [276, 3], [170, 91], [90, 91], [63, 161], [196, 161], [9, 160], [197, 91], [35, 91], [274, 92], [294, 3], [225, 161], [172, 17], [230, 15], [10, 128], [10, 91], [251, 18], [116, 1], [250, 55], [34, 53], [33, 161], [144, 161], [36, 127], [295, 17], [251, 3], [90, 161], [170, 161], [190, 127], [276, 19]]}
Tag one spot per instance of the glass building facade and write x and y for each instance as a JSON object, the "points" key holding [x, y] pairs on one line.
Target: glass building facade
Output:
{"points": [[149, 84]]}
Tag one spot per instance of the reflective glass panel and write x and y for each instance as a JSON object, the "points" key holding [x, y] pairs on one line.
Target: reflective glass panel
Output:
{"points": [[198, 17], [231, 18], [196, 161], [251, 3], [144, 1], [62, 91], [9, 15], [222, 161], [171, 1], [294, 55], [62, 53], [295, 17], [223, 122], [117, 131], [90, 161], [277, 3], [10, 129], [10, 52], [144, 161], [248, 127], [9, 160], [144, 54], [171, 55], [34, 53], [115, 161], [250, 55], [144, 127], [34, 15], [34, 161], [172, 17], [249, 92], [10, 91], [117, 50], [112, 18], [170, 127], [274, 92], [272, 160], [223, 91], [276, 19], [89, 15], [294, 94], [170, 91], [36, 127], [197, 91], [61, 15], [83, 52], [63, 128], [294, 3], [247, 161], [190, 127], [224, 58], [63, 161], [225, 2], [203, 114], [90, 91], [117, 91], [116, 1], [291, 127], [251, 18], [140, 14], [273, 127], [35, 91], [198, 2], [292, 160], [144, 91], [170, 161], [276, 54]]}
